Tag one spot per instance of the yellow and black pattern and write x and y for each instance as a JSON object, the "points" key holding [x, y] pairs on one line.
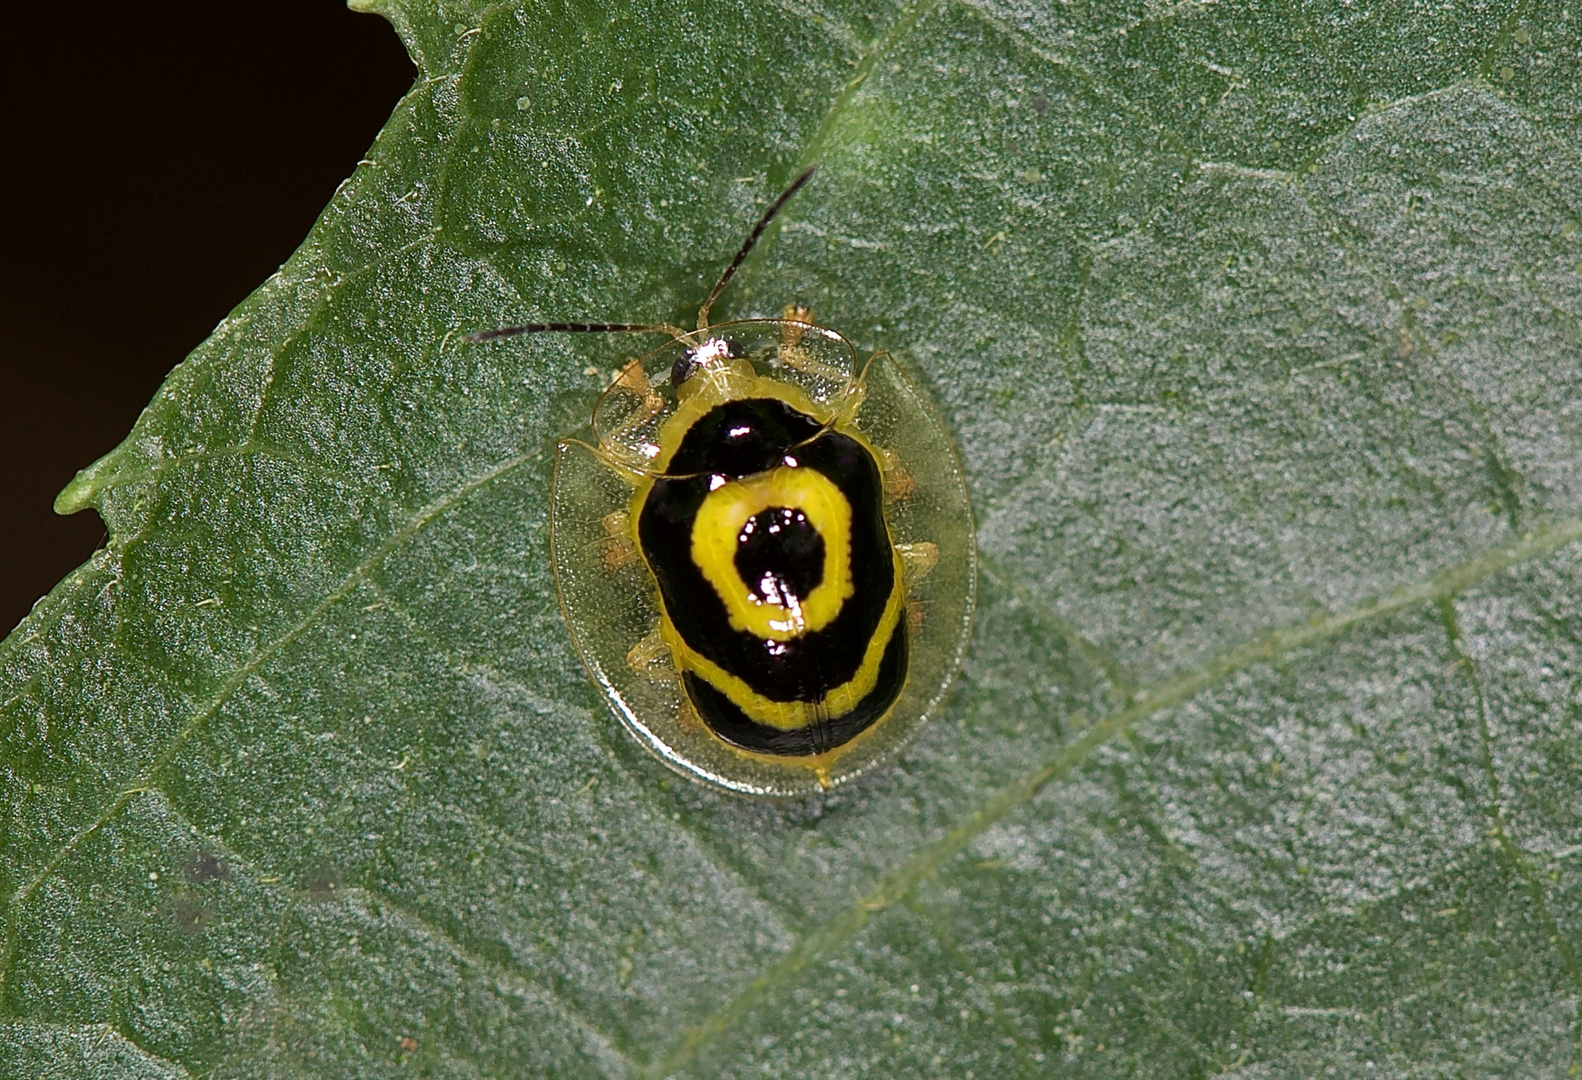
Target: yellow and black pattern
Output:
{"points": [[780, 587]]}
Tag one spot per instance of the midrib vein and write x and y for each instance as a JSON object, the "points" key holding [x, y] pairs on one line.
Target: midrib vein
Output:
{"points": [[903, 25], [1145, 703], [145, 780]]}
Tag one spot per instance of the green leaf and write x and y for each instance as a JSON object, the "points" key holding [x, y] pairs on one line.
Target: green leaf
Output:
{"points": [[1258, 328]]}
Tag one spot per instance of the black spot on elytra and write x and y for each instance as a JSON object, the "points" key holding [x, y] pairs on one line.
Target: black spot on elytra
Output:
{"points": [[780, 555]]}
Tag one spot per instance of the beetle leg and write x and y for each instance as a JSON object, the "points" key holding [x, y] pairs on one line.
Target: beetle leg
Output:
{"points": [[649, 402], [687, 717], [651, 657], [790, 332], [917, 560], [616, 549], [793, 355], [634, 380], [898, 483]]}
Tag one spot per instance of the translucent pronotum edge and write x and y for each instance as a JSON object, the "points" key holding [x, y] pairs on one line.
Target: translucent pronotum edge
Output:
{"points": [[631, 413]]}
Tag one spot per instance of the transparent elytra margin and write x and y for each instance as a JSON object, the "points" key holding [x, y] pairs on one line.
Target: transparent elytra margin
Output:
{"points": [[610, 599]]}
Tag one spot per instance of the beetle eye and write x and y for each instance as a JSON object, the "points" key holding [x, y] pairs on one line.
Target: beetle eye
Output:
{"points": [[711, 351], [682, 369]]}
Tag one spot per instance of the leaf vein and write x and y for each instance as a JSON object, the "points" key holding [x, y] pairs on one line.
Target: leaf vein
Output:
{"points": [[1025, 40], [519, 983], [1270, 647], [892, 37], [1509, 847], [750, 885], [99, 1036], [415, 524]]}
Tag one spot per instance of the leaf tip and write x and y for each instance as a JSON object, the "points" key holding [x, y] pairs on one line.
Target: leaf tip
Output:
{"points": [[84, 487]]}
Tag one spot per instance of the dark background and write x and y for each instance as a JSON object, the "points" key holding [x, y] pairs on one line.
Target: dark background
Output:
{"points": [[162, 160]]}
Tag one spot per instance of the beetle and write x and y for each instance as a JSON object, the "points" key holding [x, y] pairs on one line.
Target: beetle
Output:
{"points": [[764, 555]]}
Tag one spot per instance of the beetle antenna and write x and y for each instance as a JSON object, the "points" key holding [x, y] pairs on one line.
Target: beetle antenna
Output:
{"points": [[575, 328], [752, 238]]}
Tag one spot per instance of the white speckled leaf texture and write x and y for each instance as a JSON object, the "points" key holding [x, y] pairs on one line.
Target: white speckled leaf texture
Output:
{"points": [[1257, 327]]}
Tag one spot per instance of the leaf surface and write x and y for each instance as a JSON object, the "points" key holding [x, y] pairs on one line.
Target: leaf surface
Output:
{"points": [[1258, 329]]}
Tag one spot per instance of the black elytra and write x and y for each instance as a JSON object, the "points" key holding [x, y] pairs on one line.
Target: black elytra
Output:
{"points": [[732, 441], [727, 721]]}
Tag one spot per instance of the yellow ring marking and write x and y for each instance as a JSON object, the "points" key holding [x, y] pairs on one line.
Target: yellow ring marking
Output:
{"points": [[716, 531]]}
